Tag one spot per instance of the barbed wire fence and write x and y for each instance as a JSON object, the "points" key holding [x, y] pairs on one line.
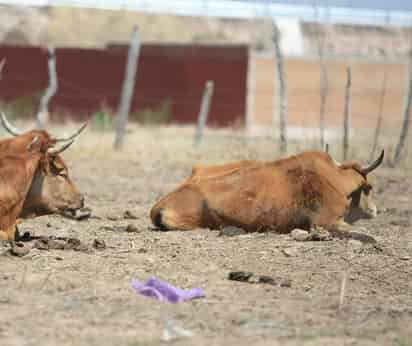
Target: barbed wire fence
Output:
{"points": [[289, 104]]}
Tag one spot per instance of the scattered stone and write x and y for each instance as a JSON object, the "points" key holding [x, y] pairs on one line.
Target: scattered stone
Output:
{"points": [[286, 283], [240, 276], [72, 243], [265, 279], [129, 215], [99, 244], [59, 258], [57, 244], [405, 258], [299, 234], [320, 234], [25, 237], [78, 214], [131, 228], [112, 217], [401, 223], [355, 244], [142, 250], [252, 278], [61, 243], [363, 237], [19, 250], [82, 247], [231, 231], [290, 252], [41, 244]]}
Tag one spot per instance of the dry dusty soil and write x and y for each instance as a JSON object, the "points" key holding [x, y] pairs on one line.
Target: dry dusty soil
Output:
{"points": [[68, 297]]}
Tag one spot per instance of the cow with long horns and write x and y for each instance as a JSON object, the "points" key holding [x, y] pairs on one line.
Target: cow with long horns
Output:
{"points": [[302, 191], [34, 179]]}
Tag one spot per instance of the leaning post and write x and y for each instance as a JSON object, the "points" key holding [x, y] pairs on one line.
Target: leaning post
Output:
{"points": [[127, 90], [204, 111], [283, 97], [347, 113], [43, 112]]}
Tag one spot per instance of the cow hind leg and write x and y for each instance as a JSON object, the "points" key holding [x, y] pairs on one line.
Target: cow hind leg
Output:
{"points": [[4, 235], [343, 230], [182, 210]]}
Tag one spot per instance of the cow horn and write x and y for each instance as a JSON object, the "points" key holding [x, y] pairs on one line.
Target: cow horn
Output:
{"points": [[56, 151], [72, 136], [374, 164], [35, 139], [9, 127]]}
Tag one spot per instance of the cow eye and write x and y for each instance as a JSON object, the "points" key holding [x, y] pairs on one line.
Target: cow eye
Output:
{"points": [[62, 173]]}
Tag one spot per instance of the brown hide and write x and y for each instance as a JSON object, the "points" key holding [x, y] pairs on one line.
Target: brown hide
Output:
{"points": [[304, 190], [16, 176], [51, 189]]}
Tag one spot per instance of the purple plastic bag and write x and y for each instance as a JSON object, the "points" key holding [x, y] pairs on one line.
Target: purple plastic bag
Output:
{"points": [[165, 292]]}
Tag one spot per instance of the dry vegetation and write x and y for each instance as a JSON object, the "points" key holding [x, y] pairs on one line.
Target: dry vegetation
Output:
{"points": [[64, 297]]}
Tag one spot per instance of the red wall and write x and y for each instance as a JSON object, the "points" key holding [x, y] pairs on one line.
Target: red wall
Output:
{"points": [[89, 78]]}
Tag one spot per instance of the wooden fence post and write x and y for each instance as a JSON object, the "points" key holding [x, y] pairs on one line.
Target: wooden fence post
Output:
{"points": [[127, 90], [347, 112], [405, 122], [379, 121], [283, 100], [43, 112], [2, 63], [323, 77], [204, 111]]}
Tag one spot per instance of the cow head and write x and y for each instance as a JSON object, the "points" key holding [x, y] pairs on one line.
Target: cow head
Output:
{"points": [[362, 205], [51, 191]]}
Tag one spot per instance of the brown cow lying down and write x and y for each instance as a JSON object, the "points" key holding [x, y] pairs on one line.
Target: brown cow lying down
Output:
{"points": [[302, 191], [34, 182]]}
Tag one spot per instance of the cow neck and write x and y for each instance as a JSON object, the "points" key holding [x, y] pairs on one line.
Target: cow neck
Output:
{"points": [[352, 179], [31, 165]]}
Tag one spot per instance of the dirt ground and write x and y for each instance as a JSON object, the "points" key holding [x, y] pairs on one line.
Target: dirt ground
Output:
{"points": [[67, 297]]}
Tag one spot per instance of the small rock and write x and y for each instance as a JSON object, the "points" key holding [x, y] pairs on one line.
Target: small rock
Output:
{"points": [[56, 244], [231, 231], [25, 237], [131, 228], [99, 244], [320, 234], [265, 279], [363, 237], [19, 250], [240, 276], [286, 283], [401, 223], [299, 234], [355, 244], [129, 215], [41, 244], [290, 252], [72, 243], [405, 258], [82, 247], [143, 250], [78, 214]]}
